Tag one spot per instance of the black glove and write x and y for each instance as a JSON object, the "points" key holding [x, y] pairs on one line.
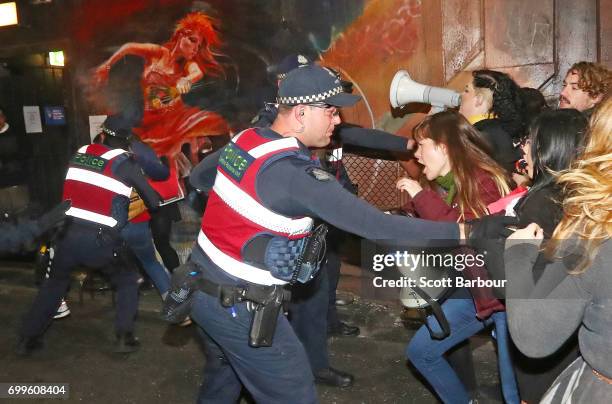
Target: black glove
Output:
{"points": [[185, 280], [53, 218], [489, 227]]}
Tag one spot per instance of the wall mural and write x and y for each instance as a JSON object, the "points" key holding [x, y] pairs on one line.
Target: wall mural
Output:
{"points": [[184, 63], [190, 71]]}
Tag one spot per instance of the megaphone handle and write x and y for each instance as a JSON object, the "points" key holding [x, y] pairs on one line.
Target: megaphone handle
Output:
{"points": [[438, 314]]}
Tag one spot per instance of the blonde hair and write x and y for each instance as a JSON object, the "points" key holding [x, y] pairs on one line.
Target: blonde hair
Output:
{"points": [[487, 96], [587, 190]]}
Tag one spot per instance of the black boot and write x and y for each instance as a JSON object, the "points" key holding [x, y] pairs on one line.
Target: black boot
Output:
{"points": [[333, 377], [342, 329], [126, 343], [27, 345]]}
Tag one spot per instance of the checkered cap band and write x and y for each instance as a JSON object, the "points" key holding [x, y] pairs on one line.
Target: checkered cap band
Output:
{"points": [[308, 99], [108, 131]]}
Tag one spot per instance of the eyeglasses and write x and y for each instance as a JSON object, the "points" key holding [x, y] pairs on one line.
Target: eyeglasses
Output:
{"points": [[329, 109]]}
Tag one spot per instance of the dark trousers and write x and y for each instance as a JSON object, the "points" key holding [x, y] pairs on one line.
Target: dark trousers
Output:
{"points": [[308, 317], [81, 244], [276, 374], [331, 266], [161, 227], [332, 269]]}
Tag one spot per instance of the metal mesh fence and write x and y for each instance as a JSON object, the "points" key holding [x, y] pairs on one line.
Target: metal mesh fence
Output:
{"points": [[375, 180]]}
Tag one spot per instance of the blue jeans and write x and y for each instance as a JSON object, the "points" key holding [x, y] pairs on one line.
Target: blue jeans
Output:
{"points": [[138, 238], [427, 354]]}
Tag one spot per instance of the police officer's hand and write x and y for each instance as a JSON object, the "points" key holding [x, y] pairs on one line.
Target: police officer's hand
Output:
{"points": [[411, 144], [54, 217]]}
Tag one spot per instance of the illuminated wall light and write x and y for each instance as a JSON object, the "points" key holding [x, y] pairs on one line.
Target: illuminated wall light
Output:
{"points": [[56, 58], [8, 14]]}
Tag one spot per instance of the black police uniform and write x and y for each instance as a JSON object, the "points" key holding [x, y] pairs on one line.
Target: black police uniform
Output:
{"points": [[92, 245], [293, 187]]}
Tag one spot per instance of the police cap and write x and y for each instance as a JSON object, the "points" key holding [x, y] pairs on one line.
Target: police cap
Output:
{"points": [[313, 84], [117, 125], [289, 63]]}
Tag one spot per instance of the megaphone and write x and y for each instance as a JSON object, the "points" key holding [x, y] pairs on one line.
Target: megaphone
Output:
{"points": [[404, 90]]}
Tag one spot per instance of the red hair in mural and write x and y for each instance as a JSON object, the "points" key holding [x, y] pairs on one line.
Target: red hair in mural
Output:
{"points": [[171, 70], [203, 25]]}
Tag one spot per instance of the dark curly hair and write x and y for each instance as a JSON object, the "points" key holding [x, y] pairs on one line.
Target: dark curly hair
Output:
{"points": [[507, 105]]}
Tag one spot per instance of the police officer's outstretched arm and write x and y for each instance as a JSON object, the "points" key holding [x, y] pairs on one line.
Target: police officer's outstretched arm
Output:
{"points": [[374, 139], [294, 187]]}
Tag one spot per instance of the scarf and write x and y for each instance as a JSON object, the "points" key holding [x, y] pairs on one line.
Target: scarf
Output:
{"points": [[447, 182]]}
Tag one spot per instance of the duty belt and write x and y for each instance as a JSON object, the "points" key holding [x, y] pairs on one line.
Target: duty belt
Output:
{"points": [[265, 301], [266, 304], [229, 295]]}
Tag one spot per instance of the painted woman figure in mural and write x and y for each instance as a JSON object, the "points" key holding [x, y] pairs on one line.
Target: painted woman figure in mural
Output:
{"points": [[171, 70]]}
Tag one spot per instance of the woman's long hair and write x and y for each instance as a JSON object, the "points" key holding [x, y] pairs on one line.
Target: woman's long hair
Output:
{"points": [[205, 26], [507, 105], [468, 153], [587, 189], [557, 137]]}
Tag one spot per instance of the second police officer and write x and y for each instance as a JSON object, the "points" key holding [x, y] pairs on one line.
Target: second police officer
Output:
{"points": [[98, 183]]}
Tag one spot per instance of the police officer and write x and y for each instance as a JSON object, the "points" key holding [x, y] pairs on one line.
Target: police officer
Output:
{"points": [[98, 183], [311, 301], [267, 184]]}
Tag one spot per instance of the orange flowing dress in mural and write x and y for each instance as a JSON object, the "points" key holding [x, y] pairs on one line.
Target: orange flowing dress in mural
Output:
{"points": [[170, 71], [168, 122]]}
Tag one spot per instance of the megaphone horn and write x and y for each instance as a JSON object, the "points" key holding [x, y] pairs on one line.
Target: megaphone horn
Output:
{"points": [[404, 90]]}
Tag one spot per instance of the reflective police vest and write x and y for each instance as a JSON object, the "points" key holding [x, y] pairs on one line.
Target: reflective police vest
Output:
{"points": [[235, 214], [91, 186]]}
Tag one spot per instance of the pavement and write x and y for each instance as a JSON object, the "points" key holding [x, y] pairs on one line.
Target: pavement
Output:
{"points": [[168, 367]]}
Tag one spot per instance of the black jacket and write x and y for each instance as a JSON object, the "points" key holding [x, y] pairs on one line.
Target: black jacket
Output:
{"points": [[504, 152]]}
